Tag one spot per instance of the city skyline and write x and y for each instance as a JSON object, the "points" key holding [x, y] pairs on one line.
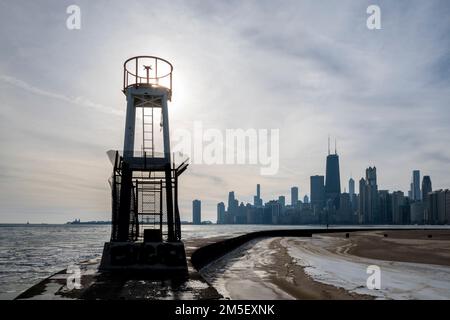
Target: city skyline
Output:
{"points": [[309, 69], [372, 204]]}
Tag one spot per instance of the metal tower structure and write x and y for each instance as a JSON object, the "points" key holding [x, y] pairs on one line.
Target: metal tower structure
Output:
{"points": [[146, 233]]}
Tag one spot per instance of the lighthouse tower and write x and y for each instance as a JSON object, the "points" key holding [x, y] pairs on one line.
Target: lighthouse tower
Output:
{"points": [[146, 233]]}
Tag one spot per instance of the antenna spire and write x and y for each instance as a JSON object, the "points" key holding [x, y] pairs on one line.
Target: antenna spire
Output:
{"points": [[328, 144], [335, 146]]}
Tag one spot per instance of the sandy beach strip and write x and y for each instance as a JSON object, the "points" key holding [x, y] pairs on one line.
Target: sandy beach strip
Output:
{"points": [[262, 269], [413, 265]]}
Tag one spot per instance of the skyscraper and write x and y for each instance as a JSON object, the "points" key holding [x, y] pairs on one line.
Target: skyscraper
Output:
{"points": [[439, 206], [306, 199], [257, 201], [220, 213], [415, 186], [332, 178], [362, 201], [372, 192], [385, 207], [196, 212], [426, 187], [351, 190], [317, 190], [294, 196], [426, 190], [233, 205], [282, 201], [230, 199], [368, 198], [398, 200]]}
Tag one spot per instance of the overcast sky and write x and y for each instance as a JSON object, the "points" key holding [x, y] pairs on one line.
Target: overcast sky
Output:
{"points": [[308, 68]]}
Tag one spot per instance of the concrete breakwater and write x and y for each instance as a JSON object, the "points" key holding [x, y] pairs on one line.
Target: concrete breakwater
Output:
{"points": [[210, 252]]}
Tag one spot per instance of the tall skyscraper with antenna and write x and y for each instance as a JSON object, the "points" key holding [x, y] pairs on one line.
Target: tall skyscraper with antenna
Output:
{"points": [[332, 177]]}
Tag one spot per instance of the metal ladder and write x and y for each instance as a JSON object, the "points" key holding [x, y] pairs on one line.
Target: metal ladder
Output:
{"points": [[150, 213], [148, 146]]}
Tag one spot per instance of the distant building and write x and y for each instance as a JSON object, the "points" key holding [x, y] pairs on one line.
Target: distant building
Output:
{"points": [[317, 192], [369, 201], [196, 212], [282, 202], [257, 201], [361, 200], [417, 212], [426, 187], [439, 207], [415, 186], [241, 217], [345, 212], [351, 190], [398, 200], [385, 207], [232, 209], [426, 190], [332, 180], [294, 196], [274, 211], [306, 199], [221, 213]]}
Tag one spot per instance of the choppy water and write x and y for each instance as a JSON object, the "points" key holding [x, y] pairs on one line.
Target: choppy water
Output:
{"points": [[30, 253]]}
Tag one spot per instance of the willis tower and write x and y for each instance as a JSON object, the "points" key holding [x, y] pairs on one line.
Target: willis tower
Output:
{"points": [[332, 179]]}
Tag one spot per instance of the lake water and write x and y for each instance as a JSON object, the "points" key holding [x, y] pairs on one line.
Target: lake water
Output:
{"points": [[30, 253]]}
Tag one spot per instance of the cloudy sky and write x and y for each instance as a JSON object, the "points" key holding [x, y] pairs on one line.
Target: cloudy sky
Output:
{"points": [[308, 68]]}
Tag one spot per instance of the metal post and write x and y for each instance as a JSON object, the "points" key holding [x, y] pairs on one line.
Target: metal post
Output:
{"points": [[130, 122]]}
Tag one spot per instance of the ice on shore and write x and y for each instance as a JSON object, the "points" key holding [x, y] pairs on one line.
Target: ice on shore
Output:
{"points": [[244, 273], [399, 280]]}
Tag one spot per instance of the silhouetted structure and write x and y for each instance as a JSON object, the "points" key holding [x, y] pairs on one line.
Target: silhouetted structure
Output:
{"points": [[426, 190], [415, 186], [196, 212], [317, 189], [332, 179], [327, 205], [294, 196], [221, 213], [146, 231], [385, 208], [351, 190], [257, 201], [368, 198], [398, 201], [439, 206]]}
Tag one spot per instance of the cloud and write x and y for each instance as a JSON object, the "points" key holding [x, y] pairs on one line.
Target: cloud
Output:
{"points": [[306, 67], [81, 101]]}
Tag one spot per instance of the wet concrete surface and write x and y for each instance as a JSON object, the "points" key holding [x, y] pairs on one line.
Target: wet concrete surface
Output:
{"points": [[104, 286]]}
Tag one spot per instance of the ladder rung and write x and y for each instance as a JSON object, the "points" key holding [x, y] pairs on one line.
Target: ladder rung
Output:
{"points": [[149, 213]]}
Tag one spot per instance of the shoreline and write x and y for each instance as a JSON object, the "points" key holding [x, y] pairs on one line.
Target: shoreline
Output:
{"points": [[286, 279]]}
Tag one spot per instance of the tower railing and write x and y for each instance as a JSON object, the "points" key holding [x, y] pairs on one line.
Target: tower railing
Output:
{"points": [[148, 71]]}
